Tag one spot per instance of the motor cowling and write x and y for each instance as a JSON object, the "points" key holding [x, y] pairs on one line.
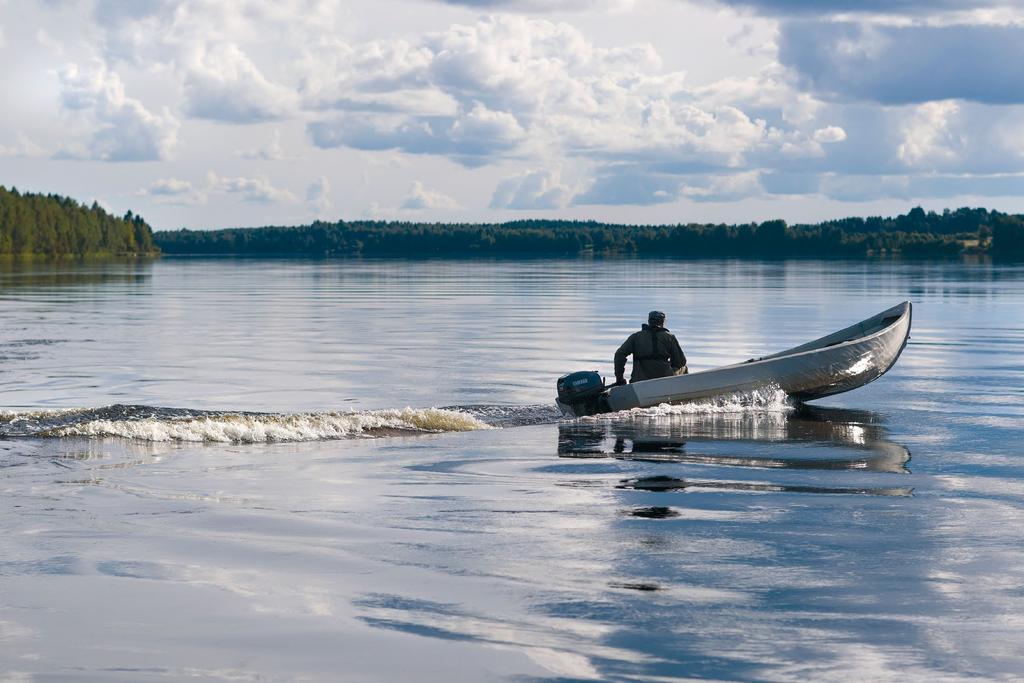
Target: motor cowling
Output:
{"points": [[581, 392]]}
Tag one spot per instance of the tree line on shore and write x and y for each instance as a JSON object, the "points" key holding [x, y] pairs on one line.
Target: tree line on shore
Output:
{"points": [[915, 234], [51, 225]]}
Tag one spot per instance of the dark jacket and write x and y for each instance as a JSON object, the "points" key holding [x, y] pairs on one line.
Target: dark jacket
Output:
{"points": [[656, 353]]}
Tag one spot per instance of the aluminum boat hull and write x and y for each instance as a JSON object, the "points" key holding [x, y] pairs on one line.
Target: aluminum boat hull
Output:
{"points": [[838, 362]]}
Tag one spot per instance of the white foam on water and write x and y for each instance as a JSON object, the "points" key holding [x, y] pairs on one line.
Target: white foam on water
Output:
{"points": [[262, 428], [766, 400]]}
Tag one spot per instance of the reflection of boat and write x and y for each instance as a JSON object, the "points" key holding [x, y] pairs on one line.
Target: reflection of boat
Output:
{"points": [[839, 362], [664, 439], [673, 484]]}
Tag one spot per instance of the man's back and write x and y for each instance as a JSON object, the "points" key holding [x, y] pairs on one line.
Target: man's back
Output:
{"points": [[656, 353]]}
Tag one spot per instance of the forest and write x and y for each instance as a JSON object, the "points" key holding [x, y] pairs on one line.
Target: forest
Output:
{"points": [[917, 234], [51, 225]]}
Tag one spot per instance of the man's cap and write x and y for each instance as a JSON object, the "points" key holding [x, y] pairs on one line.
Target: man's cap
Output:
{"points": [[656, 317]]}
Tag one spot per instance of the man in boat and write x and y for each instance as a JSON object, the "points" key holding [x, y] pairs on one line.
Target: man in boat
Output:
{"points": [[655, 350]]}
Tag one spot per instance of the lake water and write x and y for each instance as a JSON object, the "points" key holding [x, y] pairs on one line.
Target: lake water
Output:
{"points": [[226, 470]]}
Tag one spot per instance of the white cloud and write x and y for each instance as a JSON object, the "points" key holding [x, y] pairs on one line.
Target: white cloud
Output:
{"points": [[529, 65], [169, 187], [528, 87], [272, 151], [955, 137], [473, 137], [630, 185], [420, 197], [123, 129], [503, 87], [539, 189], [23, 147], [46, 42], [930, 137], [149, 32], [482, 130], [206, 45], [174, 191], [770, 93], [222, 84], [829, 135], [548, 75], [258, 190], [318, 196], [378, 75], [667, 131], [797, 146], [724, 188]]}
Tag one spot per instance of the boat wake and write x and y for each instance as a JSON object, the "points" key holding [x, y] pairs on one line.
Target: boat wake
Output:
{"points": [[146, 423], [156, 424]]}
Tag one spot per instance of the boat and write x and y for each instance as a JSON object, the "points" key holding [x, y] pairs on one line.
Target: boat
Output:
{"points": [[838, 362]]}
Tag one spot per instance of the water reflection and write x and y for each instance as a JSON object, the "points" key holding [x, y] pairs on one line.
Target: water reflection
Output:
{"points": [[655, 512], [662, 483], [666, 439], [565, 646], [68, 274]]}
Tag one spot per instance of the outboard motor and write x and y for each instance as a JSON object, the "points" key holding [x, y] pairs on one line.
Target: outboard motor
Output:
{"points": [[582, 393]]}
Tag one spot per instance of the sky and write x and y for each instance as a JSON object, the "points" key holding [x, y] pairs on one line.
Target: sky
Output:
{"points": [[207, 114]]}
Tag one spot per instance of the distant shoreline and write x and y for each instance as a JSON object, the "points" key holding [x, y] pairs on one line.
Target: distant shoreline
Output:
{"points": [[52, 227], [914, 235]]}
